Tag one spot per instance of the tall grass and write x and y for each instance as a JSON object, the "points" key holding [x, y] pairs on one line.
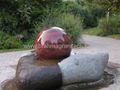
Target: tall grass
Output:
{"points": [[112, 27]]}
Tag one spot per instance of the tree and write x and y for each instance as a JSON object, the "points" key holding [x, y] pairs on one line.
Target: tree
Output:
{"points": [[108, 4], [20, 16]]}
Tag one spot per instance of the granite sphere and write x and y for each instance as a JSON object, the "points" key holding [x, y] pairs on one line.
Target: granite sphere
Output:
{"points": [[53, 43]]}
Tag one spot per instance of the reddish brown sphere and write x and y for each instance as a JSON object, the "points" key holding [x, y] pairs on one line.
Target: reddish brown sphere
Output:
{"points": [[53, 43]]}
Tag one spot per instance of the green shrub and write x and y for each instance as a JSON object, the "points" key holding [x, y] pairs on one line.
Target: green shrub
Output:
{"points": [[71, 7], [88, 20], [70, 23], [29, 44], [1, 39], [11, 43], [19, 16], [99, 12], [112, 27], [80, 2], [1, 35]]}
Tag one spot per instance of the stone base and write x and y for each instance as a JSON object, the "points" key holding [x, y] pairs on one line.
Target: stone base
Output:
{"points": [[29, 76], [29, 67]]}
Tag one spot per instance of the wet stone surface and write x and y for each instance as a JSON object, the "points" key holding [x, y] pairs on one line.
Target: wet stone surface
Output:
{"points": [[83, 67], [29, 76], [110, 80], [105, 81]]}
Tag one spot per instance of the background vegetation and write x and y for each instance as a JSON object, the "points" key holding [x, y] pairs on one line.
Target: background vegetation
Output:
{"points": [[110, 24], [21, 20]]}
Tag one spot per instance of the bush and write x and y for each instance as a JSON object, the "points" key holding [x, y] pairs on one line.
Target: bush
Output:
{"points": [[19, 16], [88, 19], [112, 27], [80, 2], [29, 44], [70, 23], [1, 38], [71, 7], [11, 43], [99, 12]]}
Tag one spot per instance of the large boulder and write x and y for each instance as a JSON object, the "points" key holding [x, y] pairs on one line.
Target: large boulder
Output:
{"points": [[32, 76], [83, 67]]}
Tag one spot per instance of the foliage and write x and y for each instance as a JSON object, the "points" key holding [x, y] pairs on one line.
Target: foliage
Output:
{"points": [[9, 42], [71, 7], [97, 31], [27, 17], [88, 19], [80, 2], [113, 27], [1, 35], [92, 31], [98, 12], [20, 16], [109, 4], [29, 44], [70, 23], [115, 36]]}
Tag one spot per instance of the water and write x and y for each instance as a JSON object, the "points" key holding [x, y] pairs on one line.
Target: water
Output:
{"points": [[105, 81]]}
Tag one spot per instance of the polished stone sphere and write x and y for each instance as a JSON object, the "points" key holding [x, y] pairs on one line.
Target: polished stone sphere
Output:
{"points": [[53, 43]]}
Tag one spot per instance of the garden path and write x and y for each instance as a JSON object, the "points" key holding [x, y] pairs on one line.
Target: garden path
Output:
{"points": [[102, 44]]}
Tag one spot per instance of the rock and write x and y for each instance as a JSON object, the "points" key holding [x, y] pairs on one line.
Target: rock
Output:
{"points": [[30, 76], [68, 74], [82, 68]]}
